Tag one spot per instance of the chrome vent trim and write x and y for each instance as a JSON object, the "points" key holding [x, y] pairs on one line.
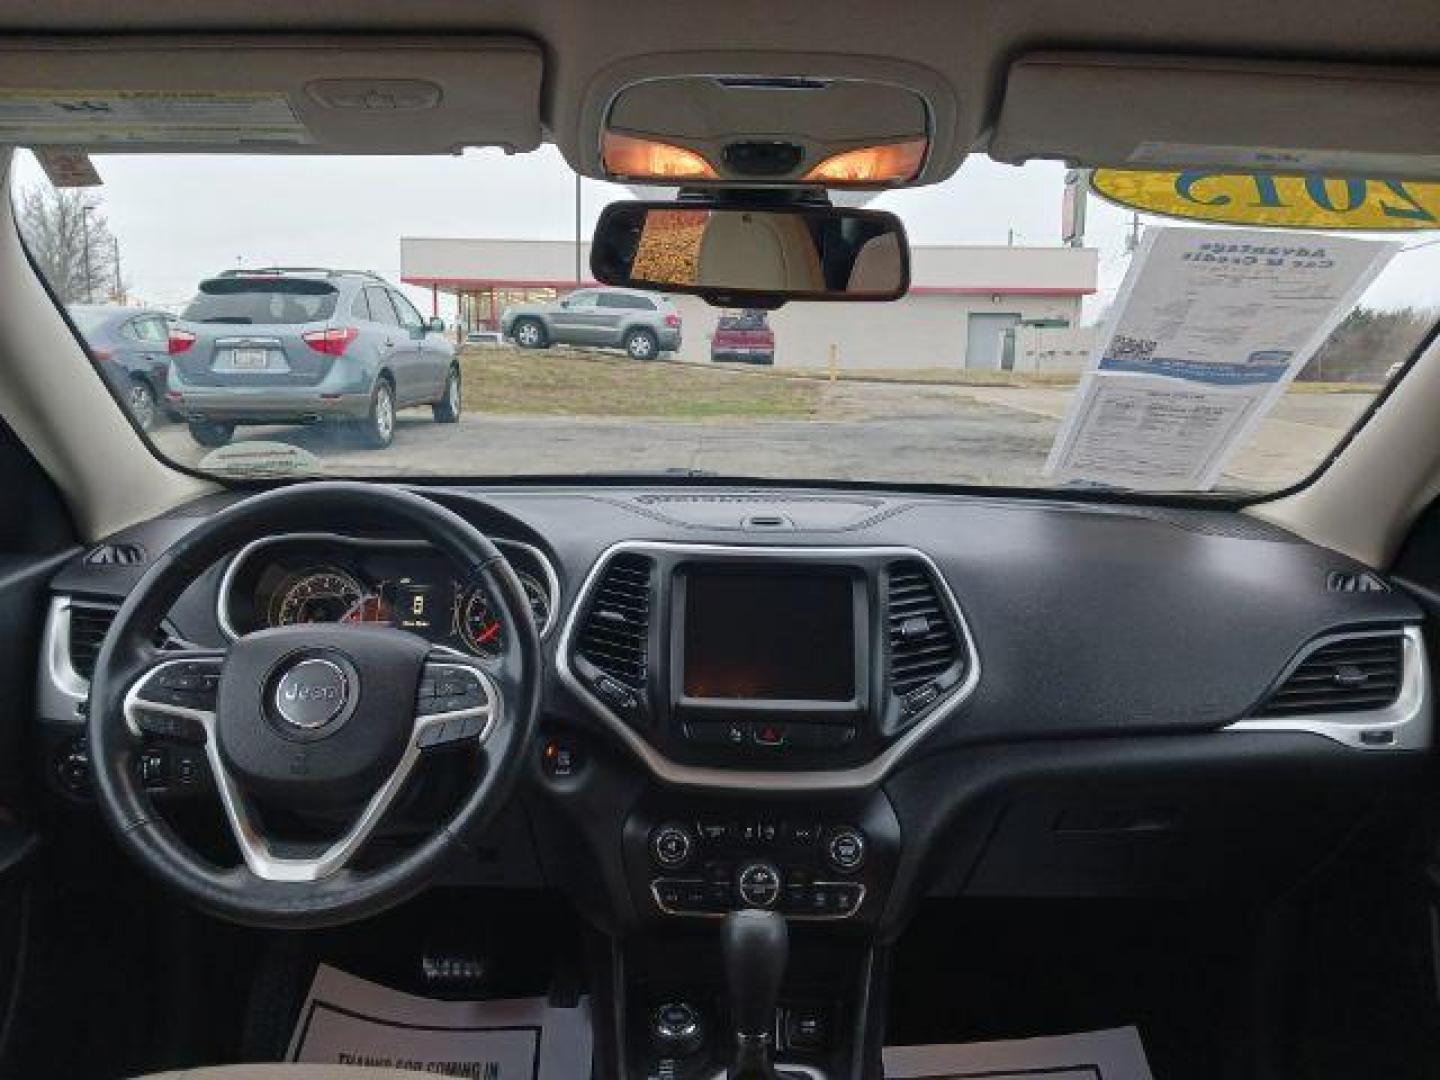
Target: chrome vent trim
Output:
{"points": [[615, 629], [760, 780], [1406, 723], [920, 634]]}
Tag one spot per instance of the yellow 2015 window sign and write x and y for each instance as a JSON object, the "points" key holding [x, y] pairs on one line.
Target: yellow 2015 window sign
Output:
{"points": [[1305, 202]]}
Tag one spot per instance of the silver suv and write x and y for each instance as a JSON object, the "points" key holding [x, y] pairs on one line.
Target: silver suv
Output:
{"points": [[300, 345], [643, 324]]}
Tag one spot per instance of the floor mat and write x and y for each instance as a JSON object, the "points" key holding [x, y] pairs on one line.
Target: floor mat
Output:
{"points": [[350, 1021], [1116, 1054]]}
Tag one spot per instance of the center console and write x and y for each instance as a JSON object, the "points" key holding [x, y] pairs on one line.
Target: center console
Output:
{"points": [[767, 691]]}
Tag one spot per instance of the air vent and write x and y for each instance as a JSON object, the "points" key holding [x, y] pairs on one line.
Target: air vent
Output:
{"points": [[88, 626], [924, 646], [1354, 675], [89, 623], [116, 555], [614, 635], [1354, 581]]}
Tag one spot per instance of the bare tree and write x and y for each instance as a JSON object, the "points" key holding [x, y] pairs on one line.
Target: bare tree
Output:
{"points": [[71, 244], [1367, 343]]}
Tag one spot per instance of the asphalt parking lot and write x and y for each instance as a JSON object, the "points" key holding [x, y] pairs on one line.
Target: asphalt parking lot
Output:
{"points": [[917, 433]]}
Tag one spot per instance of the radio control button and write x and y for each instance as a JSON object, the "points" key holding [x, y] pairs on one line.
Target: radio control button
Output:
{"points": [[846, 849], [768, 734], [671, 845], [759, 885]]}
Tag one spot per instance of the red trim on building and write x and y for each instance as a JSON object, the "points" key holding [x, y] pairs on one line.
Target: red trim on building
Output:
{"points": [[918, 290]]}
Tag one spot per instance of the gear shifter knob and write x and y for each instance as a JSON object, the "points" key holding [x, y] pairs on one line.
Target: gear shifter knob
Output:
{"points": [[756, 945]]}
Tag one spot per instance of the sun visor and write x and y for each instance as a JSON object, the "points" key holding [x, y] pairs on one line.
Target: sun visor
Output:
{"points": [[1157, 112], [302, 95]]}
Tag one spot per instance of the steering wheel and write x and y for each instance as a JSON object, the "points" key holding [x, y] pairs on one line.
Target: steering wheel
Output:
{"points": [[311, 721]]}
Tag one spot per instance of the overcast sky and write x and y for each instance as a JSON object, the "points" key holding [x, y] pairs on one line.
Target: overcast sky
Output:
{"points": [[180, 219]]}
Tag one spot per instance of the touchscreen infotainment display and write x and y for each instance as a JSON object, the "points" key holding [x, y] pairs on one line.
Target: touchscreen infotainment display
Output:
{"points": [[769, 636]]}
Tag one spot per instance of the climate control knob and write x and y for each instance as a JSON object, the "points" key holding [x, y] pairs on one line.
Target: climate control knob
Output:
{"points": [[845, 849], [758, 884], [671, 846]]}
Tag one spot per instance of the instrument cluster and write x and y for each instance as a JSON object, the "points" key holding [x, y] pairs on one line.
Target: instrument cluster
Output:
{"points": [[320, 578]]}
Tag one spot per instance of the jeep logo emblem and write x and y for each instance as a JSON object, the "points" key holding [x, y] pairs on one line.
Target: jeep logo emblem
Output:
{"points": [[311, 694]]}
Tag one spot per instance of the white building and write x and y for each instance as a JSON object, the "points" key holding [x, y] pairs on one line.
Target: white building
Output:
{"points": [[972, 306]]}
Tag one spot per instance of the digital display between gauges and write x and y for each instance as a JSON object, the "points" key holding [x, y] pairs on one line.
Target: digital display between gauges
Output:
{"points": [[414, 605]]}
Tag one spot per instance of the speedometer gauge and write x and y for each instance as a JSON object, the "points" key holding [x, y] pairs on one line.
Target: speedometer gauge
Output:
{"points": [[320, 596], [478, 623]]}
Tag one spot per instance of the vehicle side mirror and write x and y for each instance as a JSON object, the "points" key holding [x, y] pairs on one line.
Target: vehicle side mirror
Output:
{"points": [[435, 325], [752, 256]]}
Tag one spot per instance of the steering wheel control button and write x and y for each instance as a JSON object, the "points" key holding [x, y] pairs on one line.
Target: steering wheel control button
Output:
{"points": [[758, 884], [846, 849], [449, 688], [184, 684], [671, 846], [312, 694], [170, 726]]}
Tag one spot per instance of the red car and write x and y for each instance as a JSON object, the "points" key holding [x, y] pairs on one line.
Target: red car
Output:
{"points": [[743, 336]]}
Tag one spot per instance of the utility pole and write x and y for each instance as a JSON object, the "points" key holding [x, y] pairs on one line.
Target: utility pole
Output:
{"points": [[85, 212], [1132, 240]]}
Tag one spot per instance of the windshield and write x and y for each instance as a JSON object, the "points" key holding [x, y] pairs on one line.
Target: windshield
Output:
{"points": [[247, 300], [437, 317]]}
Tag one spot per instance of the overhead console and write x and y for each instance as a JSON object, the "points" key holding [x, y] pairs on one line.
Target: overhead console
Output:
{"points": [[773, 659]]}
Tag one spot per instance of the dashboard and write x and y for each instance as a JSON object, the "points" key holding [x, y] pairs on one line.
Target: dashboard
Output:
{"points": [[834, 703], [332, 578]]}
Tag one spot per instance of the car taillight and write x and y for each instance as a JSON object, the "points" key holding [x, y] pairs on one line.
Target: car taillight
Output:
{"points": [[331, 342], [180, 341], [672, 319], [102, 354]]}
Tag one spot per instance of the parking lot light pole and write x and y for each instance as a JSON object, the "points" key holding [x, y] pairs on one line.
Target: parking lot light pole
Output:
{"points": [[577, 230]]}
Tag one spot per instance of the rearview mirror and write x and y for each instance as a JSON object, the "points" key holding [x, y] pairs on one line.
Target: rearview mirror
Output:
{"points": [[742, 256], [435, 324]]}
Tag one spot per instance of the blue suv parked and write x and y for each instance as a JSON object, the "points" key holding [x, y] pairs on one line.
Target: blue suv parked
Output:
{"points": [[302, 345]]}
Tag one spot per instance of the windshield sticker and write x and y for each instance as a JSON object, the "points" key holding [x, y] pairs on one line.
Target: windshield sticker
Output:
{"points": [[1206, 332], [1311, 201], [137, 117]]}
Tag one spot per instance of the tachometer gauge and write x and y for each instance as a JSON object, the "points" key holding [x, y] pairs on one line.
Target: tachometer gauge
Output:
{"points": [[320, 596], [539, 600], [479, 626], [478, 623]]}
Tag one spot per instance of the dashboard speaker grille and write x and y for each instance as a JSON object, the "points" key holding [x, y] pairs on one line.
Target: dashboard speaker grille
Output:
{"points": [[1354, 675], [922, 637], [614, 635]]}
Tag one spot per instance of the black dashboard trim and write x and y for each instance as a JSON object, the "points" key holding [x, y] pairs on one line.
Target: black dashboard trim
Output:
{"points": [[700, 777], [222, 594]]}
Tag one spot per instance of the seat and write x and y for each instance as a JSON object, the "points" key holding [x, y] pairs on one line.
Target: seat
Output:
{"points": [[285, 1072], [759, 250]]}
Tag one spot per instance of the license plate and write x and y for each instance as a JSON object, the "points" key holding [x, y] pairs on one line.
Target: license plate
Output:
{"points": [[250, 359]]}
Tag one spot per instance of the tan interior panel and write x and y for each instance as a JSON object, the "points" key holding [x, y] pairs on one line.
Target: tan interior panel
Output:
{"points": [[856, 101], [822, 116], [1177, 112], [287, 94]]}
